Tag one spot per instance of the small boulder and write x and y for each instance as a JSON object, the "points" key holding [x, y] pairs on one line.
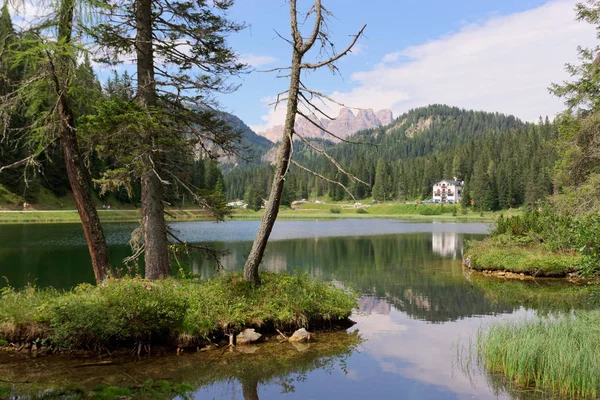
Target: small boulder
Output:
{"points": [[302, 335], [247, 336]]}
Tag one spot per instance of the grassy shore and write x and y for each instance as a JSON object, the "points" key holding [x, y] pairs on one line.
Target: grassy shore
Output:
{"points": [[126, 311], [309, 211], [507, 254], [558, 354]]}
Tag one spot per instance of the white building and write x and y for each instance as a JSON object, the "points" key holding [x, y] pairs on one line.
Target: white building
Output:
{"points": [[448, 191]]}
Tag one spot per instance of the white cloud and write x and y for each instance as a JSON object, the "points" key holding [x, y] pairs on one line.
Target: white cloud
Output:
{"points": [[23, 14], [256, 61], [504, 64]]}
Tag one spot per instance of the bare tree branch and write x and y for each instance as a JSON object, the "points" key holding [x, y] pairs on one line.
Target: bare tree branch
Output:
{"points": [[310, 171], [337, 56], [331, 159]]}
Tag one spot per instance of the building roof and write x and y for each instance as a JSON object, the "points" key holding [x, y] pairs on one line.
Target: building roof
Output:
{"points": [[450, 182]]}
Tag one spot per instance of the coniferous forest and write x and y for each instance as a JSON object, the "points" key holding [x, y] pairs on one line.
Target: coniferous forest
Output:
{"points": [[503, 161]]}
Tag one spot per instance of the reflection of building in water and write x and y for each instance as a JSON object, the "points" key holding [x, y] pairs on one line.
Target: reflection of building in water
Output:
{"points": [[373, 305], [275, 262], [446, 244]]}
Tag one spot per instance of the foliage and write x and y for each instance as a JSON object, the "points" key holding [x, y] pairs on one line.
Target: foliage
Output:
{"points": [[129, 310], [504, 162], [558, 354], [558, 233], [504, 253], [335, 210]]}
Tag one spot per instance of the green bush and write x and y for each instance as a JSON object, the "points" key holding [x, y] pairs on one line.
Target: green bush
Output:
{"points": [[335, 210], [431, 210], [558, 233], [129, 310]]}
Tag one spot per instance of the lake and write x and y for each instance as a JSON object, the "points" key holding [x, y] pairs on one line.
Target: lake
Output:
{"points": [[418, 312]]}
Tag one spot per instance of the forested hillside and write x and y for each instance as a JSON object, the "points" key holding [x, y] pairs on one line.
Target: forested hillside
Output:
{"points": [[503, 161], [28, 129]]}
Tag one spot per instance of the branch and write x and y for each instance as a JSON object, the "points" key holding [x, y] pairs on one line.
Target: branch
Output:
{"points": [[24, 161], [337, 56], [324, 178], [294, 25], [332, 134], [212, 253], [332, 160], [315, 33]]}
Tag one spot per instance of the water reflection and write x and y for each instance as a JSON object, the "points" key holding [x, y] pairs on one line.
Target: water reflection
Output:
{"points": [[418, 304], [446, 244]]}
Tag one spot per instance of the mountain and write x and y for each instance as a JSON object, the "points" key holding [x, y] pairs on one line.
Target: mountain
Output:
{"points": [[504, 161], [253, 146], [343, 126], [248, 135]]}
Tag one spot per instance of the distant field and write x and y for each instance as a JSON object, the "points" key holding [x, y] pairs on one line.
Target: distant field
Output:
{"points": [[302, 212]]}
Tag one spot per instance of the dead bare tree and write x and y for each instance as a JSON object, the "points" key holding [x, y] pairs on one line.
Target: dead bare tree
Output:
{"points": [[297, 94]]}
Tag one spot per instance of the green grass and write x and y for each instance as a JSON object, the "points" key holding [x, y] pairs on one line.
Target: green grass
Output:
{"points": [[129, 310], [503, 253], [561, 354], [8, 197]]}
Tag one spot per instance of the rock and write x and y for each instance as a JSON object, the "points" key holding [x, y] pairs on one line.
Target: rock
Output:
{"points": [[247, 349], [302, 335], [344, 125], [500, 273], [209, 347], [247, 336], [300, 346], [467, 262]]}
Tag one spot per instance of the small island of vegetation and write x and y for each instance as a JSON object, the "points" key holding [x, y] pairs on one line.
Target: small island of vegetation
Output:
{"points": [[558, 353]]}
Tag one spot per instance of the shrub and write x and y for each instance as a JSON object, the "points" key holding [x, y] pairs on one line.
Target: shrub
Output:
{"points": [[431, 210], [121, 312], [335, 210]]}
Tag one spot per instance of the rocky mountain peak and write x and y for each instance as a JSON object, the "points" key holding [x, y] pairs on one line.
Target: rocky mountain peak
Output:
{"points": [[345, 124]]}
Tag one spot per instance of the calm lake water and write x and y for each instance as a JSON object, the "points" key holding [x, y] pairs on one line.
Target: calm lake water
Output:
{"points": [[419, 311]]}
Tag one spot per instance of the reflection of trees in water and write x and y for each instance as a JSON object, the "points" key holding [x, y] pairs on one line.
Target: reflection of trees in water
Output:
{"points": [[402, 269], [245, 367]]}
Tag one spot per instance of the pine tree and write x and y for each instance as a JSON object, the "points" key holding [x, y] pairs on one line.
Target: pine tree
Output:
{"points": [[173, 41]]}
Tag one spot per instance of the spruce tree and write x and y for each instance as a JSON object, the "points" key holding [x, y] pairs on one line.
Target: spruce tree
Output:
{"points": [[182, 58]]}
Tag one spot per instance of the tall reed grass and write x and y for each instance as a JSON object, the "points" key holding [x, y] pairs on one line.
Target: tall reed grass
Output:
{"points": [[559, 354]]}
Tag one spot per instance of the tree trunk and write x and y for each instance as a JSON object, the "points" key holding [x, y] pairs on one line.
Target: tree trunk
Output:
{"points": [[283, 161], [250, 388], [156, 246], [92, 228]]}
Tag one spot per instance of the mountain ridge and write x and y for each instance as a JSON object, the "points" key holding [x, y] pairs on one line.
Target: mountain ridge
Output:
{"points": [[344, 125]]}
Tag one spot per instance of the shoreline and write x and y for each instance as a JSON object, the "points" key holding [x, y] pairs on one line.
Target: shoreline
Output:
{"points": [[178, 215]]}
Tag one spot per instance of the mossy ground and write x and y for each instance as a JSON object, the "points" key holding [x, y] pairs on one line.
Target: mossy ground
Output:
{"points": [[504, 253], [122, 312]]}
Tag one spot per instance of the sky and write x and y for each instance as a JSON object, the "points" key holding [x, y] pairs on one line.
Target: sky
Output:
{"points": [[491, 55]]}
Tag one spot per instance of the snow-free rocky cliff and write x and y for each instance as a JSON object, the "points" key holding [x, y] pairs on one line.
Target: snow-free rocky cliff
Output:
{"points": [[346, 124]]}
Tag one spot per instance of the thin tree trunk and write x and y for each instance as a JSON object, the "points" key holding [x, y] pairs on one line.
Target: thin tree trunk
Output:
{"points": [[283, 161], [92, 228], [156, 250]]}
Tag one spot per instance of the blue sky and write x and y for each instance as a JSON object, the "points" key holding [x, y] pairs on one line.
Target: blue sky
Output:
{"points": [[419, 52], [492, 55]]}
